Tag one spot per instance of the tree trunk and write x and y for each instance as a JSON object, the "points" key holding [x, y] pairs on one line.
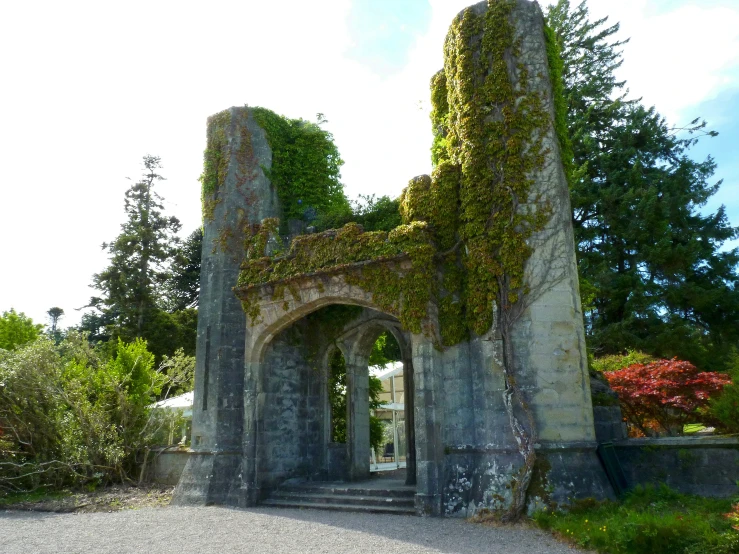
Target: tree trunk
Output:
{"points": [[524, 433]]}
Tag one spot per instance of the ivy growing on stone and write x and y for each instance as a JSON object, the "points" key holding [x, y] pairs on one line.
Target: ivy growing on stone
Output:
{"points": [[215, 161], [476, 208], [466, 231], [556, 75], [305, 166], [399, 281]]}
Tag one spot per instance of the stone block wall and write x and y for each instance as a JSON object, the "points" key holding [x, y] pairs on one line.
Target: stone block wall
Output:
{"points": [[480, 458], [549, 337], [165, 466], [246, 196], [707, 466], [293, 413]]}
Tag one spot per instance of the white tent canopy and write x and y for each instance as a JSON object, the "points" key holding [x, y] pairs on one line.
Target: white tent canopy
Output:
{"points": [[182, 402]]}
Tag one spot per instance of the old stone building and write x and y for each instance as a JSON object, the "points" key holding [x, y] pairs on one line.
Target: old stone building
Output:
{"points": [[261, 415]]}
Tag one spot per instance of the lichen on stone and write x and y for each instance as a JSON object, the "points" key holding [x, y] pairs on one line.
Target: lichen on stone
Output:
{"points": [[215, 162], [467, 226]]}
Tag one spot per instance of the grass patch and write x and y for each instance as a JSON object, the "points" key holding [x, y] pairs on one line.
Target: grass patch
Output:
{"points": [[35, 496], [690, 428], [649, 520]]}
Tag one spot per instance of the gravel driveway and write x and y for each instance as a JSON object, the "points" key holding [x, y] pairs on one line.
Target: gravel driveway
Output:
{"points": [[221, 530]]}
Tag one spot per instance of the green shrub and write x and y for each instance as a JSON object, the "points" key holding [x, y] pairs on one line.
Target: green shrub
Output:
{"points": [[614, 362], [723, 410], [70, 414], [649, 520]]}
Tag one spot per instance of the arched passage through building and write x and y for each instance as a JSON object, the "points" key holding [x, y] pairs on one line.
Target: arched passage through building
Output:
{"points": [[386, 420], [387, 404], [309, 370]]}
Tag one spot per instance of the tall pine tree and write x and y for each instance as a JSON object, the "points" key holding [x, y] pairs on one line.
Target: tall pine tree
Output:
{"points": [[652, 271], [183, 287], [132, 303]]}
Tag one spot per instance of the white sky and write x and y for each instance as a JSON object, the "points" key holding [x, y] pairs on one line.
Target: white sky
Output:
{"points": [[88, 88]]}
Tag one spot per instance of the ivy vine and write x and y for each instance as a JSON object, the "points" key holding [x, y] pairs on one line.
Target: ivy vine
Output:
{"points": [[215, 162], [466, 227], [305, 166], [402, 291]]}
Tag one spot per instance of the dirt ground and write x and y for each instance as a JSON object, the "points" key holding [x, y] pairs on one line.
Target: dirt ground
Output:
{"points": [[108, 499]]}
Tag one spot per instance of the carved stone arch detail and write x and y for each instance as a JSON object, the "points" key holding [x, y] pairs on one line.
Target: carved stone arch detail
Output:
{"points": [[298, 299]]}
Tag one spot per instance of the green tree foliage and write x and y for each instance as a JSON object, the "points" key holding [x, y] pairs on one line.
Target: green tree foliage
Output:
{"points": [[723, 410], [372, 213], [72, 414], [183, 286], [337, 391], [337, 395], [385, 350], [55, 314], [377, 214], [651, 266], [614, 362], [134, 286], [17, 329]]}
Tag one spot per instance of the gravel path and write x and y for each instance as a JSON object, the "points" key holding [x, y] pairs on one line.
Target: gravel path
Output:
{"points": [[222, 530]]}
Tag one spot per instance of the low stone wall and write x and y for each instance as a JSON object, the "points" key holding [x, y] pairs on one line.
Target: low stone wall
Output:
{"points": [[708, 466], [165, 465], [480, 479]]}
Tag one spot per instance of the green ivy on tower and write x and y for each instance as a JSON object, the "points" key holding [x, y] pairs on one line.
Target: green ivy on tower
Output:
{"points": [[465, 228]]}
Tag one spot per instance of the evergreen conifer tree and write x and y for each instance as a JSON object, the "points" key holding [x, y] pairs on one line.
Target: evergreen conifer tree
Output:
{"points": [[183, 287], [133, 285], [652, 271]]}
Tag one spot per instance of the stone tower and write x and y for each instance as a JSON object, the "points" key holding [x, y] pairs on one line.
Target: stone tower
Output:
{"points": [[240, 195], [259, 415]]}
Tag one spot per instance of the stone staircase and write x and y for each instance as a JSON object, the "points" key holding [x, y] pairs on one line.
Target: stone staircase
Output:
{"points": [[380, 496]]}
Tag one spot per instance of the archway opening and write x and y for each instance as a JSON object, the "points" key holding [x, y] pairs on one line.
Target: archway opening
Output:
{"points": [[382, 438], [387, 405], [318, 411], [386, 414], [336, 381]]}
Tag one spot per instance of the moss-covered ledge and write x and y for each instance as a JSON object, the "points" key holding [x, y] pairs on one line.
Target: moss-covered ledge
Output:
{"points": [[397, 268]]}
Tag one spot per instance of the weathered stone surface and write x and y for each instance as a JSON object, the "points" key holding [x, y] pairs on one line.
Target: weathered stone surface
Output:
{"points": [[707, 466], [549, 345], [218, 410], [266, 416]]}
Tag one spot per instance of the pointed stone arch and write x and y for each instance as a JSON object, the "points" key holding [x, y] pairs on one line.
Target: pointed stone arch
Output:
{"points": [[280, 308], [282, 304]]}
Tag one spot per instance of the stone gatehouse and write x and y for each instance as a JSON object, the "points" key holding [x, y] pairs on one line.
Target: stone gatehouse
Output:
{"points": [[261, 415]]}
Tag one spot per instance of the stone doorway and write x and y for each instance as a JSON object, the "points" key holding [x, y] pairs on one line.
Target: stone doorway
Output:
{"points": [[297, 438], [352, 455]]}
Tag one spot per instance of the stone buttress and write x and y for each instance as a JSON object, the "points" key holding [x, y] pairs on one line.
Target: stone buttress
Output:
{"points": [[245, 196]]}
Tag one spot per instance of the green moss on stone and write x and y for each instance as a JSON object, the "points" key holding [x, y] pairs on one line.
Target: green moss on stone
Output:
{"points": [[466, 227], [215, 162]]}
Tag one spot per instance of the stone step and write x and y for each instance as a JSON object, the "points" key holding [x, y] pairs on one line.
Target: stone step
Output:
{"points": [[348, 490], [305, 504], [345, 499]]}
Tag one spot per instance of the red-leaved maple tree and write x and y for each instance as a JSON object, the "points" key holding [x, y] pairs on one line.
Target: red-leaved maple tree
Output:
{"points": [[661, 396]]}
